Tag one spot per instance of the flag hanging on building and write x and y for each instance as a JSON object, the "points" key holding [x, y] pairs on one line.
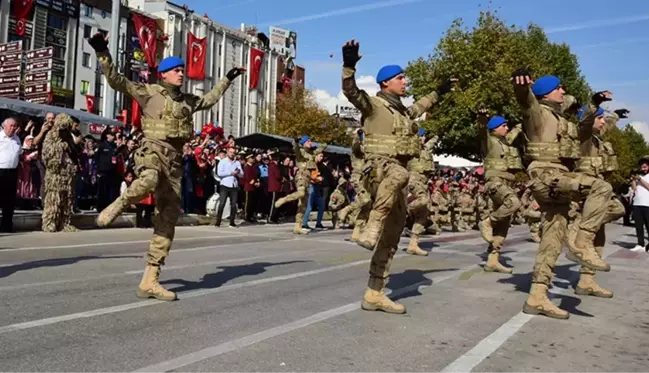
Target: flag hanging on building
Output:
{"points": [[90, 103], [256, 59], [196, 52], [136, 120], [20, 10], [147, 34]]}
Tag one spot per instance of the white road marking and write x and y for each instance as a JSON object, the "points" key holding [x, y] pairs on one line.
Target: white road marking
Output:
{"points": [[251, 339], [191, 294], [472, 358]]}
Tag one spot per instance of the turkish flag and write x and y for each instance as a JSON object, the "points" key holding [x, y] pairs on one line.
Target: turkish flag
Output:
{"points": [[90, 103], [256, 59], [21, 8], [147, 31], [135, 114], [20, 26], [196, 51]]}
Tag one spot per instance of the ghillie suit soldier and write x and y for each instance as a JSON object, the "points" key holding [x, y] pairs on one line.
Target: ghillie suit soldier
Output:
{"points": [[61, 164], [167, 124]]}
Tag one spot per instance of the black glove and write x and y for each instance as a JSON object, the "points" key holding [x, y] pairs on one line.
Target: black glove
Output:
{"points": [[234, 73], [523, 71], [350, 54], [600, 97], [622, 113], [445, 87], [98, 42]]}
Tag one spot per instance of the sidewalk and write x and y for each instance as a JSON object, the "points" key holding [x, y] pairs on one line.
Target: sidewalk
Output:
{"points": [[31, 220]]}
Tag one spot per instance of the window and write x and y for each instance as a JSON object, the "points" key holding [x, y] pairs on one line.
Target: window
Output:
{"points": [[85, 85], [85, 60], [101, 89], [87, 31], [59, 52], [57, 81], [88, 11], [220, 49], [56, 22]]}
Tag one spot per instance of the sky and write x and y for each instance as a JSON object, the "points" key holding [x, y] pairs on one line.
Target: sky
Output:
{"points": [[610, 38]]}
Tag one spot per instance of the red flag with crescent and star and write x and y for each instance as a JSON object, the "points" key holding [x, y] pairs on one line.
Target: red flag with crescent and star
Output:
{"points": [[147, 34], [256, 59], [196, 52], [90, 103], [20, 10]]}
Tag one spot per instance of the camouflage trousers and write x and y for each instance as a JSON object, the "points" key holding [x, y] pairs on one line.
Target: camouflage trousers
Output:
{"points": [[389, 213], [301, 195], [360, 207], [614, 211], [418, 208], [58, 202], [159, 171], [505, 204], [554, 190]]}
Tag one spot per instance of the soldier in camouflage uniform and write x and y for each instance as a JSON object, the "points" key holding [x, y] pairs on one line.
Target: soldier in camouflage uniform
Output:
{"points": [[598, 160], [420, 169], [167, 125], [532, 214], [553, 149], [441, 203], [360, 207], [305, 160], [337, 201], [390, 142], [463, 207], [60, 162], [501, 162]]}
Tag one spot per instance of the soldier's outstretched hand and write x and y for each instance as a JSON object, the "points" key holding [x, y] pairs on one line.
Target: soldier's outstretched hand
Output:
{"points": [[622, 113], [448, 86], [521, 77], [602, 96], [235, 72], [483, 112], [99, 42], [350, 53]]}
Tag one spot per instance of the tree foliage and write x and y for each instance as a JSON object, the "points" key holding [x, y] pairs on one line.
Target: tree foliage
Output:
{"points": [[483, 59], [629, 146], [297, 113]]}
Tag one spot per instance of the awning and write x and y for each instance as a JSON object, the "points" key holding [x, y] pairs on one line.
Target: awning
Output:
{"points": [[282, 143], [39, 110]]}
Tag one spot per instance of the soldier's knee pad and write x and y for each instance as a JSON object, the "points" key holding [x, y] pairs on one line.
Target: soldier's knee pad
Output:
{"points": [[149, 178], [601, 187]]}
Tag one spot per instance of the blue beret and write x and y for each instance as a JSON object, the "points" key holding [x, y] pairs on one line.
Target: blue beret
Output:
{"points": [[388, 72], [495, 122], [582, 110], [422, 132], [198, 132], [304, 139], [545, 84], [170, 63]]}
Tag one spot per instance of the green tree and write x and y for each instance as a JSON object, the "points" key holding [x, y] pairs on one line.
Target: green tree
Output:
{"points": [[297, 113], [629, 146], [483, 58]]}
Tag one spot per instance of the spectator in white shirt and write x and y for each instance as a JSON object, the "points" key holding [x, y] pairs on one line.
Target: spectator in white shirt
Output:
{"points": [[10, 149], [229, 171], [641, 205]]}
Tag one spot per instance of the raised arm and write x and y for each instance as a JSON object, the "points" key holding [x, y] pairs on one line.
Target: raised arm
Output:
{"points": [[139, 91], [528, 103], [425, 103], [213, 96], [359, 98], [513, 134]]}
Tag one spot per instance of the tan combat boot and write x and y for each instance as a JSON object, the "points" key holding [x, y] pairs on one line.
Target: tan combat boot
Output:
{"points": [[151, 288], [356, 233], [377, 301], [413, 247], [110, 213], [342, 214], [582, 251], [297, 228], [537, 303], [280, 202], [536, 237], [493, 264], [370, 235], [486, 230], [588, 286]]}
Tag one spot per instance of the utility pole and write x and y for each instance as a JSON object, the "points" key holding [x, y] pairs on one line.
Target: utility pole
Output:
{"points": [[113, 46]]}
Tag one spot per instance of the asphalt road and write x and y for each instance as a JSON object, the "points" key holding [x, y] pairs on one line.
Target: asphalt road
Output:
{"points": [[257, 298]]}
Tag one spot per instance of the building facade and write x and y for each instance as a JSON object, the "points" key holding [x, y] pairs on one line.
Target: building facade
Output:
{"points": [[240, 108], [50, 26]]}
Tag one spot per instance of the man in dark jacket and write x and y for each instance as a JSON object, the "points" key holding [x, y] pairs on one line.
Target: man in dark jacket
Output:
{"points": [[274, 187], [250, 187]]}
